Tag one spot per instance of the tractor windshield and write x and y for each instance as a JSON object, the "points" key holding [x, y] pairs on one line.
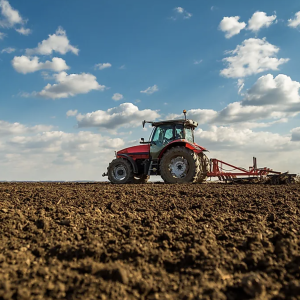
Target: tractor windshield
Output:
{"points": [[189, 134]]}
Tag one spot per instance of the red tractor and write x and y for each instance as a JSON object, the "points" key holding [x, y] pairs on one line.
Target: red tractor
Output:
{"points": [[171, 152]]}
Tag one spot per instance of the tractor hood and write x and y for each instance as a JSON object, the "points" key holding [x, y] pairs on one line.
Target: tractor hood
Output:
{"points": [[137, 150]]}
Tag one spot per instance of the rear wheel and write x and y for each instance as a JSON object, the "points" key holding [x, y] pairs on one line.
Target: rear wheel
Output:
{"points": [[120, 171], [179, 165]]}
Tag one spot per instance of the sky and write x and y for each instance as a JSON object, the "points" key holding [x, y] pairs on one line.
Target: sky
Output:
{"points": [[77, 78]]}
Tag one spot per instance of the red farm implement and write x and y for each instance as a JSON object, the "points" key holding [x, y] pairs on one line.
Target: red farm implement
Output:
{"points": [[219, 168]]}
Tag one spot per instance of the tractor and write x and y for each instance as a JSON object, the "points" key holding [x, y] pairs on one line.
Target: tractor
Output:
{"points": [[171, 152]]}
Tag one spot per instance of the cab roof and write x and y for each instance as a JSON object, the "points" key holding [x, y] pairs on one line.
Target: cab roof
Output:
{"points": [[190, 123]]}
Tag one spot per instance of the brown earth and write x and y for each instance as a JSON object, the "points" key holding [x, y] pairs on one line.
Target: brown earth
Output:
{"points": [[152, 241]]}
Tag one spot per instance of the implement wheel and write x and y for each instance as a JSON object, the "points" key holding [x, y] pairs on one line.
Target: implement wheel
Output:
{"points": [[179, 165], [120, 171]]}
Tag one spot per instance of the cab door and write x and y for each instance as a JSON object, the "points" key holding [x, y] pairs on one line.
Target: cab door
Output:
{"points": [[163, 135]]}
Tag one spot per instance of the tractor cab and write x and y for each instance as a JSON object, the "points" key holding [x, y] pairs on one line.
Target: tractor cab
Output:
{"points": [[170, 131]]}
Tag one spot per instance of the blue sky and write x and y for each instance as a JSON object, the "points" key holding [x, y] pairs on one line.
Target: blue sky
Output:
{"points": [[132, 60]]}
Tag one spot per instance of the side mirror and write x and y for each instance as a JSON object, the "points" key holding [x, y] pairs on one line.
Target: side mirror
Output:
{"points": [[142, 140]]}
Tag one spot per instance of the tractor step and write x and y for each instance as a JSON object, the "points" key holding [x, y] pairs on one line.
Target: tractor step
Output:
{"points": [[154, 166]]}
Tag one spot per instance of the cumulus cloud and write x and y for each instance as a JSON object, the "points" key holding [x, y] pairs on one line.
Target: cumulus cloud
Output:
{"points": [[270, 97], [126, 114], [117, 97], [7, 128], [53, 141], [150, 90], [296, 134], [237, 145], [57, 155], [24, 64], [267, 90], [242, 138], [71, 113], [181, 13], [253, 56], [259, 20], [231, 26], [102, 66], [8, 50], [24, 31], [11, 18], [57, 42], [295, 22], [70, 85]]}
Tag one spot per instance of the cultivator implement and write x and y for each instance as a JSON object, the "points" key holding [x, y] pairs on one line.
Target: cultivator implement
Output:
{"points": [[218, 168]]}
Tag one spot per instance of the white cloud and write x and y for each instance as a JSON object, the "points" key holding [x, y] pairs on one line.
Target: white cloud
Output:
{"points": [[296, 134], [11, 16], [24, 64], [53, 141], [240, 85], [253, 56], [24, 31], [180, 10], [71, 113], [237, 145], [150, 90], [281, 91], [231, 26], [70, 85], [2, 35], [269, 98], [295, 22], [242, 139], [182, 13], [57, 42], [259, 20], [8, 50], [117, 97], [102, 66], [126, 114], [197, 62], [7, 128], [57, 155]]}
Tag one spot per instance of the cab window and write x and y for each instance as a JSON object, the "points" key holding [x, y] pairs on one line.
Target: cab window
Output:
{"points": [[179, 134], [163, 135], [189, 135]]}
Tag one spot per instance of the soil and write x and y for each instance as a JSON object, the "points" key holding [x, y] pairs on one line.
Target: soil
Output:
{"points": [[150, 241]]}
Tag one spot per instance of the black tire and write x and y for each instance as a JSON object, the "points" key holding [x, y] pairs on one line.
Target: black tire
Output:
{"points": [[184, 157], [120, 171], [203, 167], [140, 179]]}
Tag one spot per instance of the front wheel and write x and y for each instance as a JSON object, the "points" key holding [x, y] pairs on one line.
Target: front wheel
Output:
{"points": [[120, 171]]}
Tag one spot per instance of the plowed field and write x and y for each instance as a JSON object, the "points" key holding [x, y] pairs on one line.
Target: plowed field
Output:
{"points": [[152, 241]]}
